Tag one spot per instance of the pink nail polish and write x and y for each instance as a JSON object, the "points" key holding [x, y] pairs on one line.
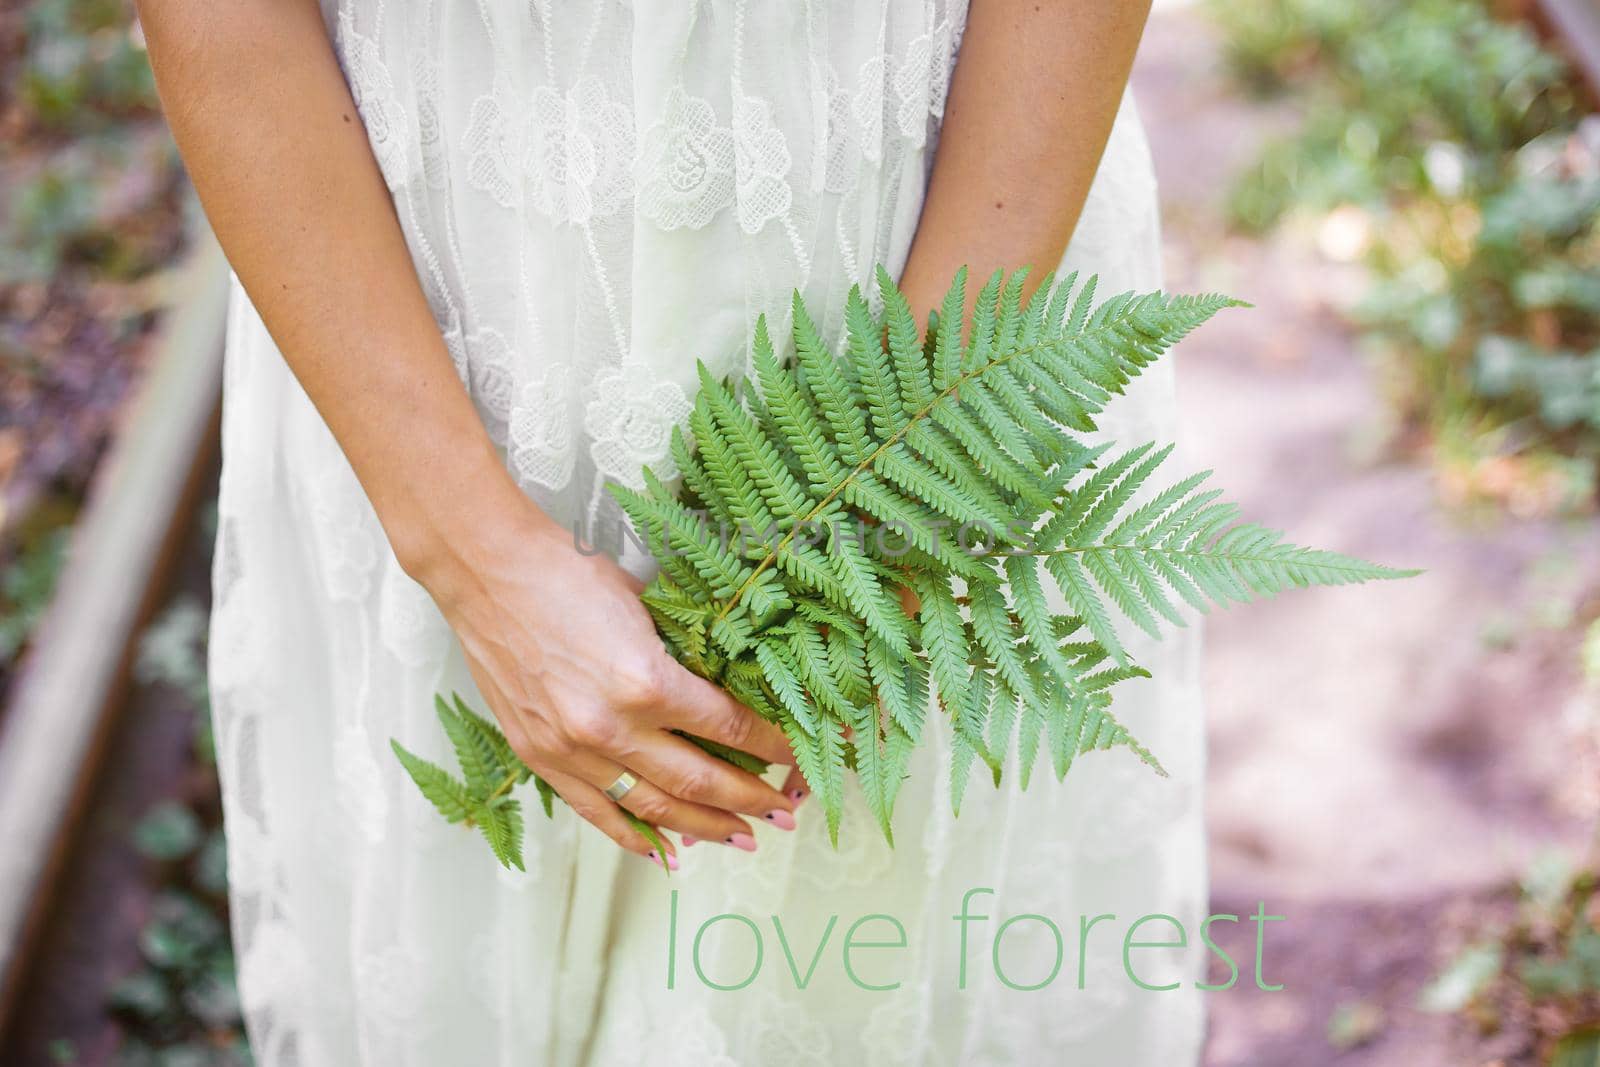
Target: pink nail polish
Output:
{"points": [[781, 819], [672, 861], [797, 795], [742, 841], [686, 840], [653, 858]]}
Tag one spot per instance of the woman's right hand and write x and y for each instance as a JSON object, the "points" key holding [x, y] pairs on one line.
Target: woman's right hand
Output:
{"points": [[569, 662], [559, 644]]}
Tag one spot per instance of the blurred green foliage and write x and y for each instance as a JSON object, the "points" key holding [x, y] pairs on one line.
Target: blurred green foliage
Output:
{"points": [[181, 1005], [27, 583], [80, 206], [1451, 152], [83, 64], [172, 652], [1355, 1023], [89, 205], [1540, 969], [87, 155]]}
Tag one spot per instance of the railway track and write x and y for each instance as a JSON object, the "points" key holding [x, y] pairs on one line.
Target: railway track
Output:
{"points": [[73, 683]]}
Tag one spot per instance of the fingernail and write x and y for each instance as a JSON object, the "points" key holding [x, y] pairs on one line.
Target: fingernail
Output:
{"points": [[672, 861], [797, 794], [743, 841], [686, 840], [781, 819]]}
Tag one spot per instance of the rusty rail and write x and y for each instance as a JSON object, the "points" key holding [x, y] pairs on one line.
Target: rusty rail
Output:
{"points": [[71, 684]]}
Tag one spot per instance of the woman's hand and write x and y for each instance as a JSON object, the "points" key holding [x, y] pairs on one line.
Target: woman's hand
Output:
{"points": [[558, 642], [570, 664]]}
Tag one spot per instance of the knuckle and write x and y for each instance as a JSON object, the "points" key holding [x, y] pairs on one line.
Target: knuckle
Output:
{"points": [[641, 682], [739, 727], [592, 729], [551, 746], [697, 784], [589, 812], [652, 807]]}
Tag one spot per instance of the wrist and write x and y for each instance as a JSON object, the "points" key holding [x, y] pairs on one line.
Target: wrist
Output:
{"points": [[457, 528]]}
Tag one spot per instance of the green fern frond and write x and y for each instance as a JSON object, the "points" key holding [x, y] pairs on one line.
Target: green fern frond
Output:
{"points": [[454, 801], [956, 465], [491, 771], [474, 751], [500, 822]]}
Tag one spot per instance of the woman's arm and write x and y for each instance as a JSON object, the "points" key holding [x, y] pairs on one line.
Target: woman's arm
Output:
{"points": [[1032, 100], [558, 642], [280, 159]]}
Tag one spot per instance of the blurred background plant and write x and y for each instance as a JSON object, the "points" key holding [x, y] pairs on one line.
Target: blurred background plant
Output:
{"points": [[79, 77], [1453, 154], [1537, 971], [1449, 150], [90, 214], [92, 198], [180, 1004]]}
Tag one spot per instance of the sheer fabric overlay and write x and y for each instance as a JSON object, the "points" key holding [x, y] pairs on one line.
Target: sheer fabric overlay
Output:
{"points": [[596, 195]]}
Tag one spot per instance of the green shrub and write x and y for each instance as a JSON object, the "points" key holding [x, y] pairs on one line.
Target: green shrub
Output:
{"points": [[1453, 148], [1537, 971], [83, 62], [89, 164]]}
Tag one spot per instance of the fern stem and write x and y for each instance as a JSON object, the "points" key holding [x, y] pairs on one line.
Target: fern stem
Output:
{"points": [[502, 789], [866, 465], [1352, 567]]}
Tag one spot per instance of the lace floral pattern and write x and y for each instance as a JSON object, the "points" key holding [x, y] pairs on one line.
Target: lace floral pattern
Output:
{"points": [[373, 91], [630, 421], [360, 783], [412, 630], [430, 131], [343, 524], [840, 151], [580, 147], [490, 148], [686, 165], [491, 368], [596, 196], [542, 451], [761, 165]]}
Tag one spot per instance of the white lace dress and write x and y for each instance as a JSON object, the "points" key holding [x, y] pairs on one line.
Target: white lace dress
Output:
{"points": [[595, 195]]}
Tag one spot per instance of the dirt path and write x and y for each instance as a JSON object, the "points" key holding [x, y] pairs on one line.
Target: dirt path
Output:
{"points": [[1379, 754]]}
